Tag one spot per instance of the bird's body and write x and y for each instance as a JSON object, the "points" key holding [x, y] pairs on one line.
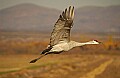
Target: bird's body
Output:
{"points": [[60, 36], [63, 46]]}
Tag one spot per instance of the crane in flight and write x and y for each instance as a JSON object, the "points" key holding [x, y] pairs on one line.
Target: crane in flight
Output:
{"points": [[60, 36]]}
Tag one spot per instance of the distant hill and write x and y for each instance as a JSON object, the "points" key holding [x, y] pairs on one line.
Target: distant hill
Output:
{"points": [[98, 19], [27, 17], [30, 17]]}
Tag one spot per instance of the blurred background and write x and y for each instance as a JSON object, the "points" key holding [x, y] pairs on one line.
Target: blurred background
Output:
{"points": [[25, 27]]}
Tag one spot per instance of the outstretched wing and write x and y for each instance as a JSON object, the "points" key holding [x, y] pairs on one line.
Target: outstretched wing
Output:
{"points": [[62, 27]]}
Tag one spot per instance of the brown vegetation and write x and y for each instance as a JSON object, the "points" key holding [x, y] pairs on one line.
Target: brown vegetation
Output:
{"points": [[17, 49], [34, 44]]}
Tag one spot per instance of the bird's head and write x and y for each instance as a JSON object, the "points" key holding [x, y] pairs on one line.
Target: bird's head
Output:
{"points": [[95, 42]]}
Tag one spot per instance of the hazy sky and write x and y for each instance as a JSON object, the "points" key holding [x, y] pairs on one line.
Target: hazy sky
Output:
{"points": [[60, 4]]}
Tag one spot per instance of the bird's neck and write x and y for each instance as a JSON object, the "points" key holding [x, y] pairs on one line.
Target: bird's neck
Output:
{"points": [[81, 44], [73, 44]]}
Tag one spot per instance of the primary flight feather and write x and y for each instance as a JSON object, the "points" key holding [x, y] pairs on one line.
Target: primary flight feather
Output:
{"points": [[62, 27]]}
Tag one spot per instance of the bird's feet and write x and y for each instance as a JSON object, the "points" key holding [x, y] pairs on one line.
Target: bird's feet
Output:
{"points": [[33, 61]]}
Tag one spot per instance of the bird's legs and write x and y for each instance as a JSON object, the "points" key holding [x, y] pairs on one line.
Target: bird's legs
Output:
{"points": [[42, 55], [34, 60], [53, 52]]}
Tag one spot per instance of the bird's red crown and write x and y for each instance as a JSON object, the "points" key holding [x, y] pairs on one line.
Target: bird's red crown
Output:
{"points": [[96, 40]]}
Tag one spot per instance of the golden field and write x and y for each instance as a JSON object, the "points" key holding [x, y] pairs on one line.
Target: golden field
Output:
{"points": [[90, 61]]}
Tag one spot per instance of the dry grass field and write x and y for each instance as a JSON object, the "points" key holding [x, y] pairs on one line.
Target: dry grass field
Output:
{"points": [[92, 61]]}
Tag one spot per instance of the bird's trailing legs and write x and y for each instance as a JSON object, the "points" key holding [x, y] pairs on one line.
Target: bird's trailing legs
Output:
{"points": [[34, 60], [42, 55]]}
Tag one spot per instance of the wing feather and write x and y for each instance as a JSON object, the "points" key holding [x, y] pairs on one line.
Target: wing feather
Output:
{"points": [[62, 27]]}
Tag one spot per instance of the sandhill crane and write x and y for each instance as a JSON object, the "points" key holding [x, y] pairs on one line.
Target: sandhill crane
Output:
{"points": [[60, 36]]}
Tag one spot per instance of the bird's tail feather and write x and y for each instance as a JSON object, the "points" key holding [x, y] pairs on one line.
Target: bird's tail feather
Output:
{"points": [[34, 60]]}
